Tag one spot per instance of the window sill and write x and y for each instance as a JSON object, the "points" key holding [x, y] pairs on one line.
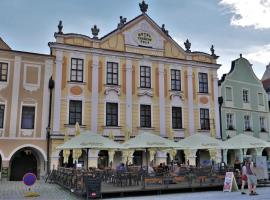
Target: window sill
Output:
{"points": [[77, 82], [112, 85], [248, 130], [204, 93], [73, 125], [146, 88], [180, 91], [112, 127], [178, 129], [146, 128], [230, 129], [203, 130]]}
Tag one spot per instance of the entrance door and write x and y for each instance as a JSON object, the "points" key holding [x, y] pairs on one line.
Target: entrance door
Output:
{"points": [[22, 162]]}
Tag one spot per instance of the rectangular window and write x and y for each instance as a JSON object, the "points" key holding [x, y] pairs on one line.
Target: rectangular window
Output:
{"points": [[260, 96], [245, 96], [76, 73], [204, 119], [3, 71], [111, 114], [229, 120], [262, 124], [175, 80], [145, 116], [176, 117], [28, 117], [112, 73], [2, 113], [247, 123], [203, 83], [228, 94], [145, 77], [75, 112]]}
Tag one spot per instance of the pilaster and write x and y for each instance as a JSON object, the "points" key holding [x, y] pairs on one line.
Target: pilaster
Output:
{"points": [[162, 120], [94, 120], [190, 102], [129, 94]]}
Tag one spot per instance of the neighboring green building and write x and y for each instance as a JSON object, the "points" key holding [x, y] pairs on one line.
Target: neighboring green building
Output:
{"points": [[244, 107]]}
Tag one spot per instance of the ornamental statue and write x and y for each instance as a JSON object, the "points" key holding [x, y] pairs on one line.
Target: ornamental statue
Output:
{"points": [[122, 22], [95, 32], [187, 45], [60, 27], [143, 7], [164, 30]]}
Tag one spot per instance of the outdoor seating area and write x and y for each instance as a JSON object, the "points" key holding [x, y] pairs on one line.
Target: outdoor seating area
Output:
{"points": [[137, 178]]}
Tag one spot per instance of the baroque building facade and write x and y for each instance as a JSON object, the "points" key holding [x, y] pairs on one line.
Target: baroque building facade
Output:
{"points": [[24, 108], [134, 79], [244, 108]]}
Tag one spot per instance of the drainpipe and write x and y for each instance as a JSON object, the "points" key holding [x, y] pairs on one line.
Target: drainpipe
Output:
{"points": [[51, 87], [220, 102]]}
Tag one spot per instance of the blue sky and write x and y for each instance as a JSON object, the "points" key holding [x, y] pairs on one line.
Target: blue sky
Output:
{"points": [[233, 26]]}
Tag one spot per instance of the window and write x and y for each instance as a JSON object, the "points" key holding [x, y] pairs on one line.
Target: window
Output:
{"points": [[2, 112], [145, 116], [262, 124], [111, 114], [247, 123], [260, 96], [228, 94], [175, 80], [28, 117], [75, 112], [203, 83], [204, 119], [245, 96], [229, 117], [76, 70], [145, 77], [176, 117], [112, 73], [3, 71]]}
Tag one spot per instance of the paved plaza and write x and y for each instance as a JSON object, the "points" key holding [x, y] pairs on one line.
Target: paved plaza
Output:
{"points": [[15, 191]]}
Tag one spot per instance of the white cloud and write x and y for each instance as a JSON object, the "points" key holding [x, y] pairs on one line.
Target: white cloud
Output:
{"points": [[260, 54], [249, 12]]}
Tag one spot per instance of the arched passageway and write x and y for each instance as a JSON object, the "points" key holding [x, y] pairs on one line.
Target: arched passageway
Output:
{"points": [[232, 155], [103, 159], [266, 153], [203, 158], [138, 158], [180, 157], [25, 160]]}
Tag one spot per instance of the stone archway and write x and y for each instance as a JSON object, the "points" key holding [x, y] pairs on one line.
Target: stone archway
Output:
{"points": [[266, 153], [180, 157], [138, 158], [103, 159], [232, 155], [25, 160], [251, 152], [203, 157]]}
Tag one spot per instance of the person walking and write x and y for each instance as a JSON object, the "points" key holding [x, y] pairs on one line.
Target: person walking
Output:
{"points": [[243, 177], [252, 178]]}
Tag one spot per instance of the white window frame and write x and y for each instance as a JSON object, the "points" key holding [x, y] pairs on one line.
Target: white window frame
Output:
{"points": [[4, 84], [250, 126], [77, 56], [5, 113], [35, 123], [264, 123], [226, 93], [148, 64], [260, 93], [104, 113], [114, 60], [139, 117], [176, 67], [248, 95], [232, 120], [83, 106]]}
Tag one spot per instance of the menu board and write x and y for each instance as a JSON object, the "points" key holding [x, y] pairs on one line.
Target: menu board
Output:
{"points": [[93, 187], [230, 183]]}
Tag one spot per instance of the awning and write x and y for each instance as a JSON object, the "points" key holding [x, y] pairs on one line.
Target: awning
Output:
{"points": [[199, 141], [149, 141], [243, 141], [90, 140]]}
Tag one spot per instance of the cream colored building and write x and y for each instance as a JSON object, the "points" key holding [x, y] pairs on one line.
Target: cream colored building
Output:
{"points": [[24, 105], [136, 78]]}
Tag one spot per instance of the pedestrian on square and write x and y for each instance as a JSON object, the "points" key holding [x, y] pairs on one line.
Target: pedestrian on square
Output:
{"points": [[252, 178], [244, 177]]}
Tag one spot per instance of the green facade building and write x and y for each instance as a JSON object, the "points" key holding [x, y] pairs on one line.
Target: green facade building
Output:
{"points": [[244, 107]]}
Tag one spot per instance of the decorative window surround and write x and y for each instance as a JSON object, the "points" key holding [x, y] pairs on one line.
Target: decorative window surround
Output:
{"points": [[31, 86], [174, 93], [146, 91], [28, 132], [114, 88]]}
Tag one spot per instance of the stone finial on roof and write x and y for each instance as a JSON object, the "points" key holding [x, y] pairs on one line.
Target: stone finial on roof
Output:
{"points": [[122, 22], [164, 29], [212, 51], [240, 55], [95, 31], [143, 6], [187, 45], [60, 27]]}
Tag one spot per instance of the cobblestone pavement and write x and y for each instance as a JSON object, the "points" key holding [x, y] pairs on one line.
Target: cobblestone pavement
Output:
{"points": [[10, 190], [264, 194], [15, 190]]}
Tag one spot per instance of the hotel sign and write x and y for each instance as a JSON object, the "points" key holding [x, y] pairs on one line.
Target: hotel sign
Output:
{"points": [[144, 38]]}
